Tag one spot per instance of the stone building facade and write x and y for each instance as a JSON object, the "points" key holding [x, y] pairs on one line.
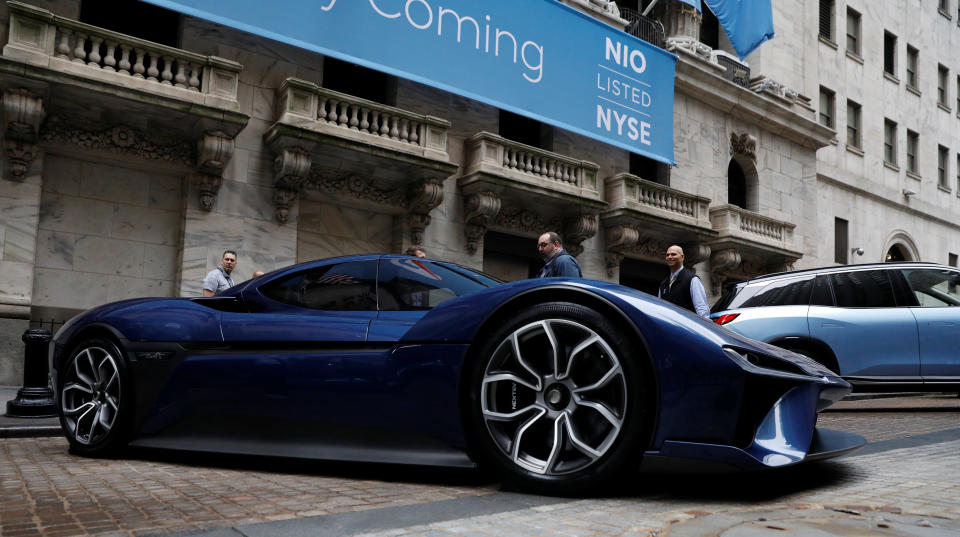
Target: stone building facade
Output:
{"points": [[132, 160]]}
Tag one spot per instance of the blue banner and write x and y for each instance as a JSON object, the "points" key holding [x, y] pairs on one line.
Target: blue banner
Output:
{"points": [[538, 58], [748, 23], [695, 3]]}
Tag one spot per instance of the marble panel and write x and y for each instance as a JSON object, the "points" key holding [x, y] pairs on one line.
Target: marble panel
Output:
{"points": [[20, 241], [114, 183], [16, 283], [264, 105], [251, 137], [166, 192], [11, 351], [55, 249], [238, 167], [69, 289], [380, 227], [61, 175], [103, 255], [160, 261], [79, 215], [121, 288], [143, 224], [246, 200]]}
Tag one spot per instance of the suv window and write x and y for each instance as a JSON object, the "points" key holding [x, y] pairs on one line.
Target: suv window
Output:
{"points": [[786, 292], [863, 289], [934, 288], [416, 284], [342, 287]]}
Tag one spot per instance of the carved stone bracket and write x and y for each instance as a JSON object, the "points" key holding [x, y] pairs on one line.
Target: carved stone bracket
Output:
{"points": [[208, 185], [291, 168], [721, 264], [423, 198], [479, 209], [577, 230], [743, 144], [695, 253], [214, 150], [22, 113], [619, 238]]}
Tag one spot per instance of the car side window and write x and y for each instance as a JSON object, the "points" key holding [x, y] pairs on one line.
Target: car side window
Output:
{"points": [[340, 287], [417, 284], [788, 292], [863, 289], [934, 288], [821, 295]]}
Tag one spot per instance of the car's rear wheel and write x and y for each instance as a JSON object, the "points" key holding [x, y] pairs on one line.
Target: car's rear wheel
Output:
{"points": [[557, 400], [94, 398]]}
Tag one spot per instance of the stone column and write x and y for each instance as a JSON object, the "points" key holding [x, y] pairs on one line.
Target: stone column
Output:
{"points": [[680, 20], [20, 190]]}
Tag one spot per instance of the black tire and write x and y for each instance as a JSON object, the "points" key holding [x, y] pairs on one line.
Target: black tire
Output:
{"points": [[95, 398], [558, 426]]}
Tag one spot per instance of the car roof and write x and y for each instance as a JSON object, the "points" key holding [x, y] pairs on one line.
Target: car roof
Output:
{"points": [[844, 268]]}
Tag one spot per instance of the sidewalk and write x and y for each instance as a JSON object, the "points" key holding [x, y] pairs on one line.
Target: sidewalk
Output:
{"points": [[11, 427]]}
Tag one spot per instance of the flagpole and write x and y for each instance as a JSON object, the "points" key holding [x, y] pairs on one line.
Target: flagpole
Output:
{"points": [[649, 7]]}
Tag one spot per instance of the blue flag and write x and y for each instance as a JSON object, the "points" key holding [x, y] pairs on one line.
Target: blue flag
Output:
{"points": [[694, 3], [748, 23]]}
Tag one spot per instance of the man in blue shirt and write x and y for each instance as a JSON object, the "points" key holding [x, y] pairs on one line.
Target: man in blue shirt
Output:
{"points": [[558, 262], [219, 278], [683, 288]]}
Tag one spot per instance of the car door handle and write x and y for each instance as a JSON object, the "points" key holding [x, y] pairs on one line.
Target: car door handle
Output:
{"points": [[828, 324], [940, 323]]}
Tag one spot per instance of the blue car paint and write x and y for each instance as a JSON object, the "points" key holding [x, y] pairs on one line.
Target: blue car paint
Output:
{"points": [[404, 377]]}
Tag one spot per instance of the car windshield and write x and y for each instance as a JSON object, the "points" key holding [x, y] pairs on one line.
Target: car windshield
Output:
{"points": [[419, 284]]}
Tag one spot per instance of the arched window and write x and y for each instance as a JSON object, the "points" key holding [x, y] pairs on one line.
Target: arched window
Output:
{"points": [[736, 185], [896, 253]]}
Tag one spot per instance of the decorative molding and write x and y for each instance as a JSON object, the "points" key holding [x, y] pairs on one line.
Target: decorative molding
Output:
{"points": [[695, 253], [524, 221], [613, 260], [352, 185], [649, 248], [291, 168], [118, 139], [479, 209], [743, 144], [214, 150], [417, 222], [722, 263], [577, 230], [22, 113]]}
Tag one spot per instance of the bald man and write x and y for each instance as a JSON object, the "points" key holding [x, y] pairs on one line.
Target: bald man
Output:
{"points": [[683, 287]]}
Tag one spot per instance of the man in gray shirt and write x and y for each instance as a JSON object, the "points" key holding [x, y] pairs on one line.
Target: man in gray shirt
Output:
{"points": [[219, 278]]}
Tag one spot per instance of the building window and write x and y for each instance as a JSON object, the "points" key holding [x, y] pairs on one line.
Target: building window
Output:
{"points": [[890, 142], [943, 155], [913, 141], [943, 74], [853, 124], [709, 28], [944, 6], [958, 88], [359, 81], [890, 53], [525, 130], [826, 19], [129, 17], [827, 103], [840, 241], [913, 59], [853, 31], [952, 260], [958, 174], [649, 169]]}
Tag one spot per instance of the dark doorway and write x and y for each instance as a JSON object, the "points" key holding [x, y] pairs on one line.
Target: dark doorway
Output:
{"points": [[736, 185], [137, 19], [709, 28], [510, 257], [642, 275], [895, 253], [649, 169], [525, 130], [359, 81]]}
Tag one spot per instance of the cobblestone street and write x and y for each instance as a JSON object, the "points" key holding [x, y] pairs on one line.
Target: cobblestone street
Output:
{"points": [[905, 482]]}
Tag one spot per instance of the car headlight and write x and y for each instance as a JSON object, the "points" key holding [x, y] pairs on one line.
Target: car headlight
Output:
{"points": [[764, 364]]}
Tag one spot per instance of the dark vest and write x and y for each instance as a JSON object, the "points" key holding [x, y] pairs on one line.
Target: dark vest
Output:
{"points": [[679, 292]]}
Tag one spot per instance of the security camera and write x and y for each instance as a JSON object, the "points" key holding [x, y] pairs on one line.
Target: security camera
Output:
{"points": [[858, 251]]}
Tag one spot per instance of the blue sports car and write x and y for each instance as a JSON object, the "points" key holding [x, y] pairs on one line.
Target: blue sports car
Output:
{"points": [[558, 384]]}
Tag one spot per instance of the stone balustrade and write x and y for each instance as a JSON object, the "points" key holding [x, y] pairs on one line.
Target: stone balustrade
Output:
{"points": [[733, 221], [495, 155], [631, 192], [39, 37], [306, 104]]}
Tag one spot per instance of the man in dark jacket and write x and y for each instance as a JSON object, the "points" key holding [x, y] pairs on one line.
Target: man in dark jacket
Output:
{"points": [[557, 261], [682, 287]]}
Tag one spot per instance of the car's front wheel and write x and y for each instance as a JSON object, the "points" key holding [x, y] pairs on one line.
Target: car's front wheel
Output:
{"points": [[94, 396], [558, 399]]}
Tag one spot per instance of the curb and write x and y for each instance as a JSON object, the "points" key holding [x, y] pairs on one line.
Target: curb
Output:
{"points": [[29, 431]]}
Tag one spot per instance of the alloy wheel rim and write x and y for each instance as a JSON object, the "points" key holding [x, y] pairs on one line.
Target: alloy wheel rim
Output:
{"points": [[90, 399], [554, 397]]}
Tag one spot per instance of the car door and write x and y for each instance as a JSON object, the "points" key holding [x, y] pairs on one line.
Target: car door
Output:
{"points": [[873, 339], [937, 311]]}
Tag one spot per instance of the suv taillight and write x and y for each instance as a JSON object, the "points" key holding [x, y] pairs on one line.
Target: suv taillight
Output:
{"points": [[726, 318]]}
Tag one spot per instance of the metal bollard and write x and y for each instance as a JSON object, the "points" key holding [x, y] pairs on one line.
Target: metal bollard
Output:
{"points": [[35, 398]]}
